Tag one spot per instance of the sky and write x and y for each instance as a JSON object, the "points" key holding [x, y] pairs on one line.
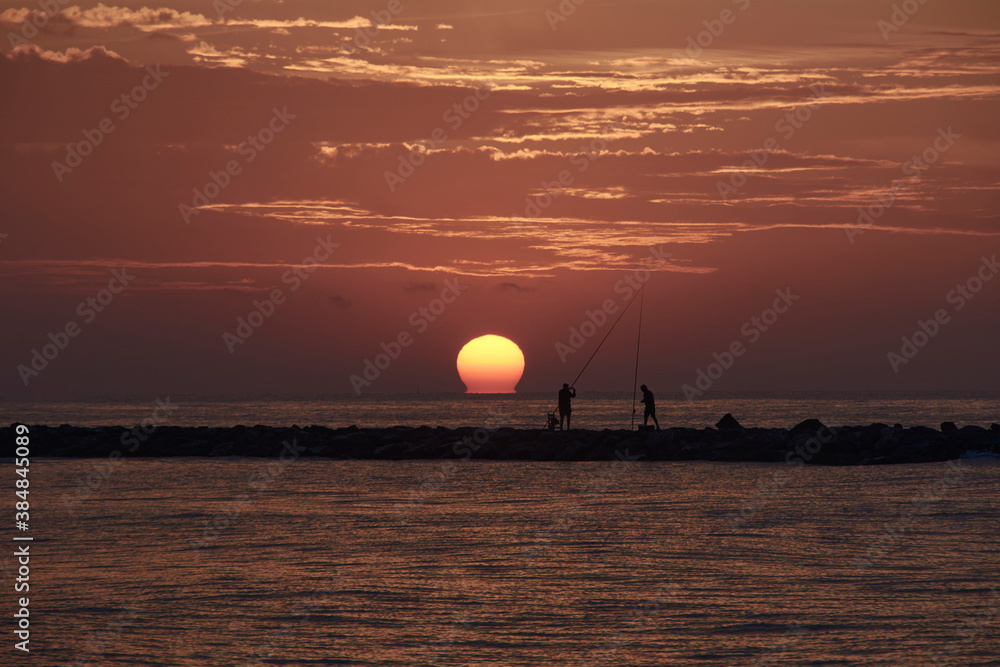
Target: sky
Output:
{"points": [[268, 198]]}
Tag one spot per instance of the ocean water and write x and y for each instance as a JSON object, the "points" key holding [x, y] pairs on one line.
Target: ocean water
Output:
{"points": [[591, 410], [195, 562]]}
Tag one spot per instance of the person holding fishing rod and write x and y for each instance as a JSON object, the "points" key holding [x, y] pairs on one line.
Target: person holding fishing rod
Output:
{"points": [[565, 408]]}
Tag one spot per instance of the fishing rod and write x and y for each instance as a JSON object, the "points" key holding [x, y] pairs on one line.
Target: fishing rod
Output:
{"points": [[594, 354], [638, 338], [609, 333]]}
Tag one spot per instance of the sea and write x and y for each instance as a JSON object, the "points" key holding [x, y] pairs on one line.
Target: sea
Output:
{"points": [[243, 561], [591, 410]]}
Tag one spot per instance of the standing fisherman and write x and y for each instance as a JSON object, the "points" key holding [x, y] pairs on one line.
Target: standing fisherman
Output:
{"points": [[650, 411], [565, 409]]}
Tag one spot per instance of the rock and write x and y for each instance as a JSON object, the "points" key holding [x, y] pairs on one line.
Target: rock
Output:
{"points": [[920, 434], [809, 425], [889, 439], [994, 428], [976, 438], [728, 422], [948, 427], [383, 451], [872, 434]]}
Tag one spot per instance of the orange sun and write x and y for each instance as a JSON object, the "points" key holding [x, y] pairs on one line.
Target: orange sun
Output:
{"points": [[490, 365]]}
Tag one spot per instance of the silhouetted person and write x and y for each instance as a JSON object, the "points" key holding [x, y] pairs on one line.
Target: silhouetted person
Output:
{"points": [[650, 411], [565, 409]]}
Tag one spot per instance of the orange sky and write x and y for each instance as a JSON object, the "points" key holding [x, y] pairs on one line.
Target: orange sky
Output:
{"points": [[506, 168]]}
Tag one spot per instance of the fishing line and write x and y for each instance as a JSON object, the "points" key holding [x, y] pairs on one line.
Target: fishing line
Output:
{"points": [[609, 333]]}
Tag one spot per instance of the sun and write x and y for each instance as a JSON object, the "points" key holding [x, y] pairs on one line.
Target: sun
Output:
{"points": [[490, 365]]}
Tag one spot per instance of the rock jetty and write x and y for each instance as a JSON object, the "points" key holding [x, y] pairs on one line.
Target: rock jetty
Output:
{"points": [[810, 442]]}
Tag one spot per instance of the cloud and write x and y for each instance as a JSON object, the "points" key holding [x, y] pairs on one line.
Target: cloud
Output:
{"points": [[170, 37], [145, 18], [31, 19], [31, 52], [356, 23], [513, 287], [205, 52], [103, 16]]}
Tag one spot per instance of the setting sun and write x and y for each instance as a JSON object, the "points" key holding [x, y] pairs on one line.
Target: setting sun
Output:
{"points": [[490, 365]]}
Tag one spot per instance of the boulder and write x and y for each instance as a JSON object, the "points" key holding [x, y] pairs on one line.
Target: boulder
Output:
{"points": [[809, 425], [889, 439], [727, 422]]}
